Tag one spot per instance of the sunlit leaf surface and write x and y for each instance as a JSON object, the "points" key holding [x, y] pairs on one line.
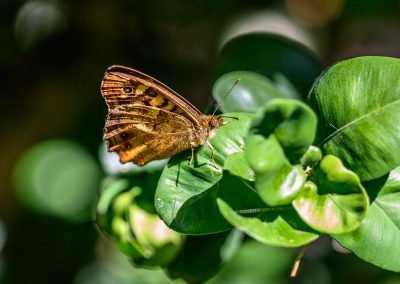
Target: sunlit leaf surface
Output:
{"points": [[377, 240], [358, 102]]}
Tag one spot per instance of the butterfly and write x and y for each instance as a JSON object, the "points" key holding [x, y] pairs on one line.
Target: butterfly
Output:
{"points": [[148, 121]]}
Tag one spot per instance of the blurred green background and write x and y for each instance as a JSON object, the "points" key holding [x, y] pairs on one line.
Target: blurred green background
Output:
{"points": [[53, 55]]}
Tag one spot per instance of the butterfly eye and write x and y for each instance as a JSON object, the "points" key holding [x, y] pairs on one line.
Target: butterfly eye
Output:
{"points": [[127, 90]]}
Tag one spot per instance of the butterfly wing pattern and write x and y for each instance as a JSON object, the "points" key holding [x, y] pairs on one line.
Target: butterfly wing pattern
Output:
{"points": [[147, 120]]}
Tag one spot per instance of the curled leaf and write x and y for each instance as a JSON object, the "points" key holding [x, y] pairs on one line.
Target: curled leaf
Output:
{"points": [[252, 92], [292, 122], [277, 181], [377, 239], [334, 201]]}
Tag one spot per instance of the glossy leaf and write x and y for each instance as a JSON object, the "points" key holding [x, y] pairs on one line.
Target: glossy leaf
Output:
{"points": [[334, 201], [185, 196], [270, 55], [278, 226], [264, 154], [281, 186], [377, 239], [292, 122], [277, 181], [237, 165], [358, 102], [243, 208], [252, 92]]}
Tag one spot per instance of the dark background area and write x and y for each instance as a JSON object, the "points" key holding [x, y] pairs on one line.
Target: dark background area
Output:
{"points": [[53, 55]]}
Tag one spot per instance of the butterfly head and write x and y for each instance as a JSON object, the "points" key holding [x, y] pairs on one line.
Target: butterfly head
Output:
{"points": [[212, 123]]}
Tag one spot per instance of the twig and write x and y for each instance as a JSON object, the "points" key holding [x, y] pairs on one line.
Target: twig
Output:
{"points": [[296, 264]]}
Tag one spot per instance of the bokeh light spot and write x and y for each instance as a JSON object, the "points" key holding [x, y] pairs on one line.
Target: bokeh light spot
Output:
{"points": [[315, 13], [37, 20], [58, 178]]}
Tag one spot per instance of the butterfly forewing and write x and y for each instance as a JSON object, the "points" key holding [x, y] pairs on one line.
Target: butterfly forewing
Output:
{"points": [[144, 89]]}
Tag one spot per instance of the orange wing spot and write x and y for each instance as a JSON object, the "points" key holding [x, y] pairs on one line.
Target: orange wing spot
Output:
{"points": [[140, 89], [169, 106], [157, 101], [133, 154]]}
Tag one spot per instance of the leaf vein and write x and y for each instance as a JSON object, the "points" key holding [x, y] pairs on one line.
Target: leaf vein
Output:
{"points": [[367, 115]]}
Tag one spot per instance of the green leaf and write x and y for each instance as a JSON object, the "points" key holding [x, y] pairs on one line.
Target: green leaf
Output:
{"points": [[278, 226], [185, 196], [311, 157], [237, 165], [243, 208], [158, 243], [140, 235], [264, 154], [281, 186], [113, 185], [282, 128], [270, 55], [377, 239], [257, 263], [334, 201], [277, 181], [120, 226], [110, 189], [292, 122], [286, 87], [358, 103], [252, 92], [203, 256]]}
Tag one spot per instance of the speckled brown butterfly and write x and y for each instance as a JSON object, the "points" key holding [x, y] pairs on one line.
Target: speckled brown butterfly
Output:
{"points": [[149, 121]]}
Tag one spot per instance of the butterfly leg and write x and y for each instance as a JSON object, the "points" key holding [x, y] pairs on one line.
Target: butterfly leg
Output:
{"points": [[212, 152], [192, 158]]}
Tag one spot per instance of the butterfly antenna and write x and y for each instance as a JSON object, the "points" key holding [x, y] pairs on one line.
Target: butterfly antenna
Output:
{"points": [[223, 99]]}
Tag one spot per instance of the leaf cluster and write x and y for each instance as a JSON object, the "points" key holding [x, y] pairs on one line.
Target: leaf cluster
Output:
{"points": [[288, 166]]}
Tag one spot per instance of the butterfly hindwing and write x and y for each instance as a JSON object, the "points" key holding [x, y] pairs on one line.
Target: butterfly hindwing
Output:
{"points": [[143, 140]]}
